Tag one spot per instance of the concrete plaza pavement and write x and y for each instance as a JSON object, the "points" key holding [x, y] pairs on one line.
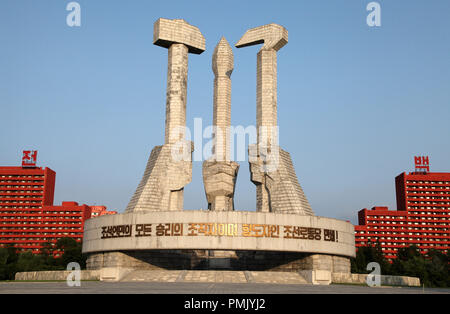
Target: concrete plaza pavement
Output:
{"points": [[98, 287]]}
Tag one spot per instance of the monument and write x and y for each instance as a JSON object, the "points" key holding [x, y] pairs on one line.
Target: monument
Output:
{"points": [[155, 232], [219, 173]]}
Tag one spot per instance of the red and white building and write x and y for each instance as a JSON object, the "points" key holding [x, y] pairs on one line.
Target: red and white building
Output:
{"points": [[422, 217], [97, 211], [28, 217]]}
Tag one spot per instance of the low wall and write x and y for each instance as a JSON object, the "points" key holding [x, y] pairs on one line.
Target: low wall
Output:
{"points": [[56, 275], [310, 276], [346, 278]]}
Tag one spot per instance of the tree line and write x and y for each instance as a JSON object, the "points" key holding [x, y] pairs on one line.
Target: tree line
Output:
{"points": [[12, 261], [433, 268]]}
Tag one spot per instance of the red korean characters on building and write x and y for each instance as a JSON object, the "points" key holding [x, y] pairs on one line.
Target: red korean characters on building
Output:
{"points": [[29, 158]]}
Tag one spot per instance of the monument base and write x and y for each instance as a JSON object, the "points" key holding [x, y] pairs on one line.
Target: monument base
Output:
{"points": [[216, 259], [312, 246]]}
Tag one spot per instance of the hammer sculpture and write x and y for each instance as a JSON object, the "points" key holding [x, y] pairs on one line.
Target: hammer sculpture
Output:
{"points": [[169, 167]]}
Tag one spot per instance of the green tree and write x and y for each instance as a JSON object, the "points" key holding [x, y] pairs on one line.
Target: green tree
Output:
{"points": [[3, 260], [72, 252], [8, 262], [12, 262], [432, 268], [46, 254], [367, 254], [405, 263], [28, 261], [438, 268], [13, 256], [47, 249]]}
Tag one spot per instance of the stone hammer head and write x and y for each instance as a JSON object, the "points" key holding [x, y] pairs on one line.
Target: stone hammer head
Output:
{"points": [[167, 32], [273, 36]]}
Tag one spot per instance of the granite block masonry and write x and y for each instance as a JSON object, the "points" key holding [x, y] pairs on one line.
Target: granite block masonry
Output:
{"points": [[219, 173], [272, 171], [155, 233], [164, 179]]}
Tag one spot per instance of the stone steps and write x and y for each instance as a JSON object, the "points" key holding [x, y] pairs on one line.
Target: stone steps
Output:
{"points": [[214, 276], [152, 276]]}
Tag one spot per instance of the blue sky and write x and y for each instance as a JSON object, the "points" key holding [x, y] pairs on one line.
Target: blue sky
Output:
{"points": [[355, 103]]}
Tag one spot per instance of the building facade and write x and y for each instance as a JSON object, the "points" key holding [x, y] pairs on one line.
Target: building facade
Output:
{"points": [[422, 217], [97, 211], [29, 219], [46, 226], [24, 191], [26, 188]]}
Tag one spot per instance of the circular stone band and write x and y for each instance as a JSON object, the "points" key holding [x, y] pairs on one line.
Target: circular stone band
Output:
{"points": [[230, 230]]}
